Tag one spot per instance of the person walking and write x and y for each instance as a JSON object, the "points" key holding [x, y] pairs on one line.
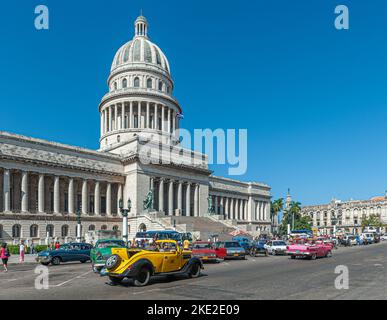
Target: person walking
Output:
{"points": [[21, 252], [4, 255]]}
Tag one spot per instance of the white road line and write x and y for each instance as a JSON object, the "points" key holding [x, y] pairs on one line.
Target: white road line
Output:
{"points": [[77, 277]]}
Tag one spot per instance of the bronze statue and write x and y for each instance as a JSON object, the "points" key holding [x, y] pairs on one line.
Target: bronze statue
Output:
{"points": [[148, 202], [211, 208]]}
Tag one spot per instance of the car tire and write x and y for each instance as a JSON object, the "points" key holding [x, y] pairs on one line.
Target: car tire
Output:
{"points": [[83, 261], [292, 257], [96, 269], [113, 262], [143, 277], [273, 252], [56, 261], [194, 271], [313, 257]]}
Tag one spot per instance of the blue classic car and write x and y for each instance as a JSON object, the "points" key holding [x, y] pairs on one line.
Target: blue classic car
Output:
{"points": [[244, 242], [258, 247], [66, 253], [233, 248]]}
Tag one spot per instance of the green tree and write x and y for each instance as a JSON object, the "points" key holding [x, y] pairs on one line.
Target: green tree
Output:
{"points": [[372, 221], [276, 207], [293, 217]]}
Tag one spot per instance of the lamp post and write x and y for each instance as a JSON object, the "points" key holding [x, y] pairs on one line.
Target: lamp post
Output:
{"points": [[125, 213], [79, 226]]}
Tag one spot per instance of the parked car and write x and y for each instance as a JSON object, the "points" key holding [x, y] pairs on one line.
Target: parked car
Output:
{"points": [[244, 242], [66, 253], [207, 251], [348, 240], [383, 237], [259, 247], [310, 251], [102, 251], [233, 248], [368, 238], [168, 258], [276, 247]]}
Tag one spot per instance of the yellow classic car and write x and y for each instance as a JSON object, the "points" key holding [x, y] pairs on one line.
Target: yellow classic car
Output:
{"points": [[165, 257]]}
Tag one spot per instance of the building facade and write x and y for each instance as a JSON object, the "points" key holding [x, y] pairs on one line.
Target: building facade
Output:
{"points": [[346, 215], [44, 185]]}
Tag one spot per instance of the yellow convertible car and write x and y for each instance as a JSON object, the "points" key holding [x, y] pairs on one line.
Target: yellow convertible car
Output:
{"points": [[165, 257]]}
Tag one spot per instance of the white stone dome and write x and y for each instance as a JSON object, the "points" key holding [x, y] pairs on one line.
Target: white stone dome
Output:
{"points": [[140, 50]]}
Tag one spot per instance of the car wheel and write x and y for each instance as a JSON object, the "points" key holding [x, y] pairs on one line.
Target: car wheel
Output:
{"points": [[194, 271], [115, 280], [113, 261], [292, 257], [273, 252], [96, 269], [83, 261], [56, 261], [313, 256], [252, 253], [142, 278]]}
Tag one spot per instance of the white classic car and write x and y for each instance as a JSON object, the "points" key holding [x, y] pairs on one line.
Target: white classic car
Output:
{"points": [[276, 247]]}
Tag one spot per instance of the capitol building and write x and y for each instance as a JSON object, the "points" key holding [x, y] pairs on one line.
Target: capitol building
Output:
{"points": [[45, 186]]}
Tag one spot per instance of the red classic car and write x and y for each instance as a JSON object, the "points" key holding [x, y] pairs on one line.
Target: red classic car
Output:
{"points": [[207, 251], [309, 250]]}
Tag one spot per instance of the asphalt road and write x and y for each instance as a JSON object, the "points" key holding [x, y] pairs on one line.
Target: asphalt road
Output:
{"points": [[257, 278]]}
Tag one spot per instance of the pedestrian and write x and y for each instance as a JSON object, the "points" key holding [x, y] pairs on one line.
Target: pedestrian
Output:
{"points": [[32, 247], [21, 251], [4, 255], [57, 245]]}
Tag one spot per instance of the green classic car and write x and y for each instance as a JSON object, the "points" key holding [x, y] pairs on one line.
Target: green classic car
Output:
{"points": [[102, 251]]}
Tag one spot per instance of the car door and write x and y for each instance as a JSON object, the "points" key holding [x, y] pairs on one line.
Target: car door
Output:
{"points": [[171, 260], [84, 253]]}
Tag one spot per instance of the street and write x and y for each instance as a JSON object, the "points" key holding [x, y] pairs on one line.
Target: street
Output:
{"points": [[271, 277]]}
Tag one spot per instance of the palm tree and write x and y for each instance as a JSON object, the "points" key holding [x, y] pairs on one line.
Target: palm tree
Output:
{"points": [[276, 207], [295, 211]]}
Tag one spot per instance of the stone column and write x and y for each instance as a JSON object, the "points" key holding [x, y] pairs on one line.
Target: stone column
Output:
{"points": [[196, 201], [227, 208], [180, 197], [106, 120], [56, 195], [71, 195], [162, 118], [173, 122], [161, 195], [155, 120], [24, 191], [188, 201], [41, 193], [131, 114], [101, 123], [241, 211], [85, 196], [232, 212], [139, 114], [123, 115], [119, 196], [116, 116], [169, 120], [109, 199], [7, 190], [147, 115], [170, 198], [222, 206], [97, 198]]}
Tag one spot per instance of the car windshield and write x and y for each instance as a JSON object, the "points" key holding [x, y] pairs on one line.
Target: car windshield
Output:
{"points": [[202, 246], [232, 245], [279, 243], [110, 244]]}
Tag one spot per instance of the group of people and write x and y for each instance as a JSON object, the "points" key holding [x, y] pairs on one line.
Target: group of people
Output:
{"points": [[5, 254]]}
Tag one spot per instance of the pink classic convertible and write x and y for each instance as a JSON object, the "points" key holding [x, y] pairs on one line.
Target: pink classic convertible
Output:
{"points": [[309, 250]]}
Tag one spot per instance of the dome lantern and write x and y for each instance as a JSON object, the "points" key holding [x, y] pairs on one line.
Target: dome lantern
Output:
{"points": [[141, 27]]}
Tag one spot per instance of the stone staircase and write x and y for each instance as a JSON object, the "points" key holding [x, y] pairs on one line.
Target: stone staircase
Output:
{"points": [[202, 227]]}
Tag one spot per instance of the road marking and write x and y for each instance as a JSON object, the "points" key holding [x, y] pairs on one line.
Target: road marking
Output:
{"points": [[77, 277]]}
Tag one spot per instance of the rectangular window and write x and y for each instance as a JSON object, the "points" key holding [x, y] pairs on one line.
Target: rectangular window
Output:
{"points": [[79, 202], [52, 201], [103, 204], [91, 203], [66, 202]]}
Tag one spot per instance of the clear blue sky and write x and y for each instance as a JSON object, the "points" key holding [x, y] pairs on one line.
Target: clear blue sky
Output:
{"points": [[314, 99]]}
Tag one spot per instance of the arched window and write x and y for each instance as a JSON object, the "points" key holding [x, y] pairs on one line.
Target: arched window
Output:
{"points": [[168, 89], [115, 228], [118, 138], [50, 230], [160, 85], [104, 227], [149, 83], [115, 85], [91, 227], [124, 83], [136, 82], [16, 231], [34, 231], [142, 227], [65, 230]]}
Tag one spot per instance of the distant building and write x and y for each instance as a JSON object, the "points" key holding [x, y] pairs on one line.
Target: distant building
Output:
{"points": [[346, 215]]}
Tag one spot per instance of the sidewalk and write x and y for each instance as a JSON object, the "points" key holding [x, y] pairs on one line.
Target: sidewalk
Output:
{"points": [[28, 258]]}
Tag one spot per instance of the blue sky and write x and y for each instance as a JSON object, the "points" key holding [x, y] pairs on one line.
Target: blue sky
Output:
{"points": [[314, 99]]}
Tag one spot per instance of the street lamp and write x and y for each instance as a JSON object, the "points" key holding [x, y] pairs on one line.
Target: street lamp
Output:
{"points": [[79, 227], [125, 213]]}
